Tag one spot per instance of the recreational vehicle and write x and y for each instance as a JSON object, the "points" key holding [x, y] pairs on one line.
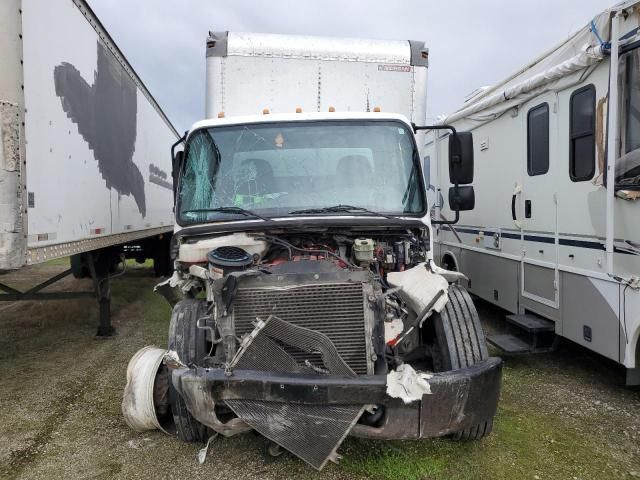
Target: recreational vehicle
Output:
{"points": [[555, 235]]}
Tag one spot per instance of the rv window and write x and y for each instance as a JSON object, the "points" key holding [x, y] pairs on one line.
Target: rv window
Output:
{"points": [[628, 165], [632, 102], [538, 140], [582, 145]]}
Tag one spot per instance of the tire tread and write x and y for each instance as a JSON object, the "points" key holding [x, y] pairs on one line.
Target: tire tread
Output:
{"points": [[462, 344], [184, 339]]}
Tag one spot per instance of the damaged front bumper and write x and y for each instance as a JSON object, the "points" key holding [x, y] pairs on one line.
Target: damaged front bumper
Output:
{"points": [[459, 399]]}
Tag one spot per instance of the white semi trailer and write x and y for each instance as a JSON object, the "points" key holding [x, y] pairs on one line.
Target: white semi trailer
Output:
{"points": [[84, 168], [555, 236], [303, 247]]}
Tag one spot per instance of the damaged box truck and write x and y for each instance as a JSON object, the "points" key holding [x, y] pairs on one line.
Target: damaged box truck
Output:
{"points": [[310, 307]]}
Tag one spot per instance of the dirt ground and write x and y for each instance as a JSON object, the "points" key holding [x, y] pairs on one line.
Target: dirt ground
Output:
{"points": [[563, 415]]}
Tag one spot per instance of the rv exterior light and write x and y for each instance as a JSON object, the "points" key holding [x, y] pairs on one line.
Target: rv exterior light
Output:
{"points": [[376, 109], [220, 114], [298, 109], [265, 111], [332, 109]]}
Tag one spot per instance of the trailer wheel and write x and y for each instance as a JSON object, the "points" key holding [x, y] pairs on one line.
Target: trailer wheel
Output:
{"points": [[460, 343], [190, 344]]}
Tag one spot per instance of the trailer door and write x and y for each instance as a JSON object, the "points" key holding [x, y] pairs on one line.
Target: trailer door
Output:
{"points": [[538, 203]]}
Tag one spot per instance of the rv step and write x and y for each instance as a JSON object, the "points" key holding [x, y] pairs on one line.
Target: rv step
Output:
{"points": [[509, 343], [531, 323]]}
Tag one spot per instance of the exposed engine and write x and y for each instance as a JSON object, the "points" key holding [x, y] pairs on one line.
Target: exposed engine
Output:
{"points": [[335, 283]]}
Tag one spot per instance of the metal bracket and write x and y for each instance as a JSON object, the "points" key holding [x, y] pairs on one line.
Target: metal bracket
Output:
{"points": [[101, 291]]}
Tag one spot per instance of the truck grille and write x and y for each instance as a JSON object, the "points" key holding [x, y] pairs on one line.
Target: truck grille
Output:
{"points": [[335, 309]]}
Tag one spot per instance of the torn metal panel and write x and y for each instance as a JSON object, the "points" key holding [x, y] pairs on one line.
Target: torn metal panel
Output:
{"points": [[311, 432], [267, 355], [309, 341]]}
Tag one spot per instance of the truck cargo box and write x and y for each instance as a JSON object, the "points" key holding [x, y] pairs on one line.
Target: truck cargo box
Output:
{"points": [[250, 72]]}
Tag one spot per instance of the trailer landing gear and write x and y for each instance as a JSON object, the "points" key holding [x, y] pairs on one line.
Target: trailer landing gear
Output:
{"points": [[98, 265], [102, 289]]}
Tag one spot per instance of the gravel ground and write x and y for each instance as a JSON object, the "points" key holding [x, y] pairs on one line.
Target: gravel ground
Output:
{"points": [[562, 415]]}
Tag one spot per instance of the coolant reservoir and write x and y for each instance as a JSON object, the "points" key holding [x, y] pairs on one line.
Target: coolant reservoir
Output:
{"points": [[363, 249], [197, 252]]}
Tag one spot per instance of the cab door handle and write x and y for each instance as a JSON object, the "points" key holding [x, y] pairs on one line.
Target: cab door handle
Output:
{"points": [[527, 208]]}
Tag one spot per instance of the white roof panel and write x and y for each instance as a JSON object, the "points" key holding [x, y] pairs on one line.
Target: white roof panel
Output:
{"points": [[318, 48]]}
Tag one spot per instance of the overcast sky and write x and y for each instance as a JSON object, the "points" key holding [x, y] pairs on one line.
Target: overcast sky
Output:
{"points": [[471, 43]]}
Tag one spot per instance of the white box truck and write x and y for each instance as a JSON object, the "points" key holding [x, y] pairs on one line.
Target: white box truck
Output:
{"points": [[83, 159], [555, 237], [312, 308]]}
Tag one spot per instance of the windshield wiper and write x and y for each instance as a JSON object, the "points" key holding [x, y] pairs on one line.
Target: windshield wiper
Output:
{"points": [[234, 210], [340, 209]]}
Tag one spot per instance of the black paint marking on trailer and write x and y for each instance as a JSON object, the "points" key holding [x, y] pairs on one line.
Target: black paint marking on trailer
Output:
{"points": [[106, 116]]}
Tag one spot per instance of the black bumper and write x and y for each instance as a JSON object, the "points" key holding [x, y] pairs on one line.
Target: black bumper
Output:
{"points": [[459, 398]]}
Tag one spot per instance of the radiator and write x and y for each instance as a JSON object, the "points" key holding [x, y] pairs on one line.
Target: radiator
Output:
{"points": [[338, 310]]}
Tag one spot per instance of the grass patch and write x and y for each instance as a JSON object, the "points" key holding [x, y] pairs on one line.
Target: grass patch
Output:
{"points": [[63, 261], [524, 445]]}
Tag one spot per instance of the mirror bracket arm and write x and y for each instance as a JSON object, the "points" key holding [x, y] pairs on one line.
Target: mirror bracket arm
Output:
{"points": [[456, 158], [416, 128], [455, 220]]}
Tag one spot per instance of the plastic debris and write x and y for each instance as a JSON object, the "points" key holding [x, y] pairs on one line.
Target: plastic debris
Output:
{"points": [[419, 286], [407, 384], [202, 453]]}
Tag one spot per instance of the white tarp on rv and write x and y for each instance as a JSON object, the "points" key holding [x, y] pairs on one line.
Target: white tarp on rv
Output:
{"points": [[558, 68]]}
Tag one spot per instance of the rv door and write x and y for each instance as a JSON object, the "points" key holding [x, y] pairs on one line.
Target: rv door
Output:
{"points": [[538, 212]]}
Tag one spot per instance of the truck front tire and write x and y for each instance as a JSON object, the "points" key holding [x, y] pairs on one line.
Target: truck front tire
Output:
{"points": [[189, 342], [461, 343]]}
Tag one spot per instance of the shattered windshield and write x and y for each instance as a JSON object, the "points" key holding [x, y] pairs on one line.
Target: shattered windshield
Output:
{"points": [[272, 169]]}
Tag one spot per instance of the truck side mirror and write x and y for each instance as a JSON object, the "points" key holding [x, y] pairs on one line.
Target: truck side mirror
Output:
{"points": [[462, 198], [461, 158]]}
